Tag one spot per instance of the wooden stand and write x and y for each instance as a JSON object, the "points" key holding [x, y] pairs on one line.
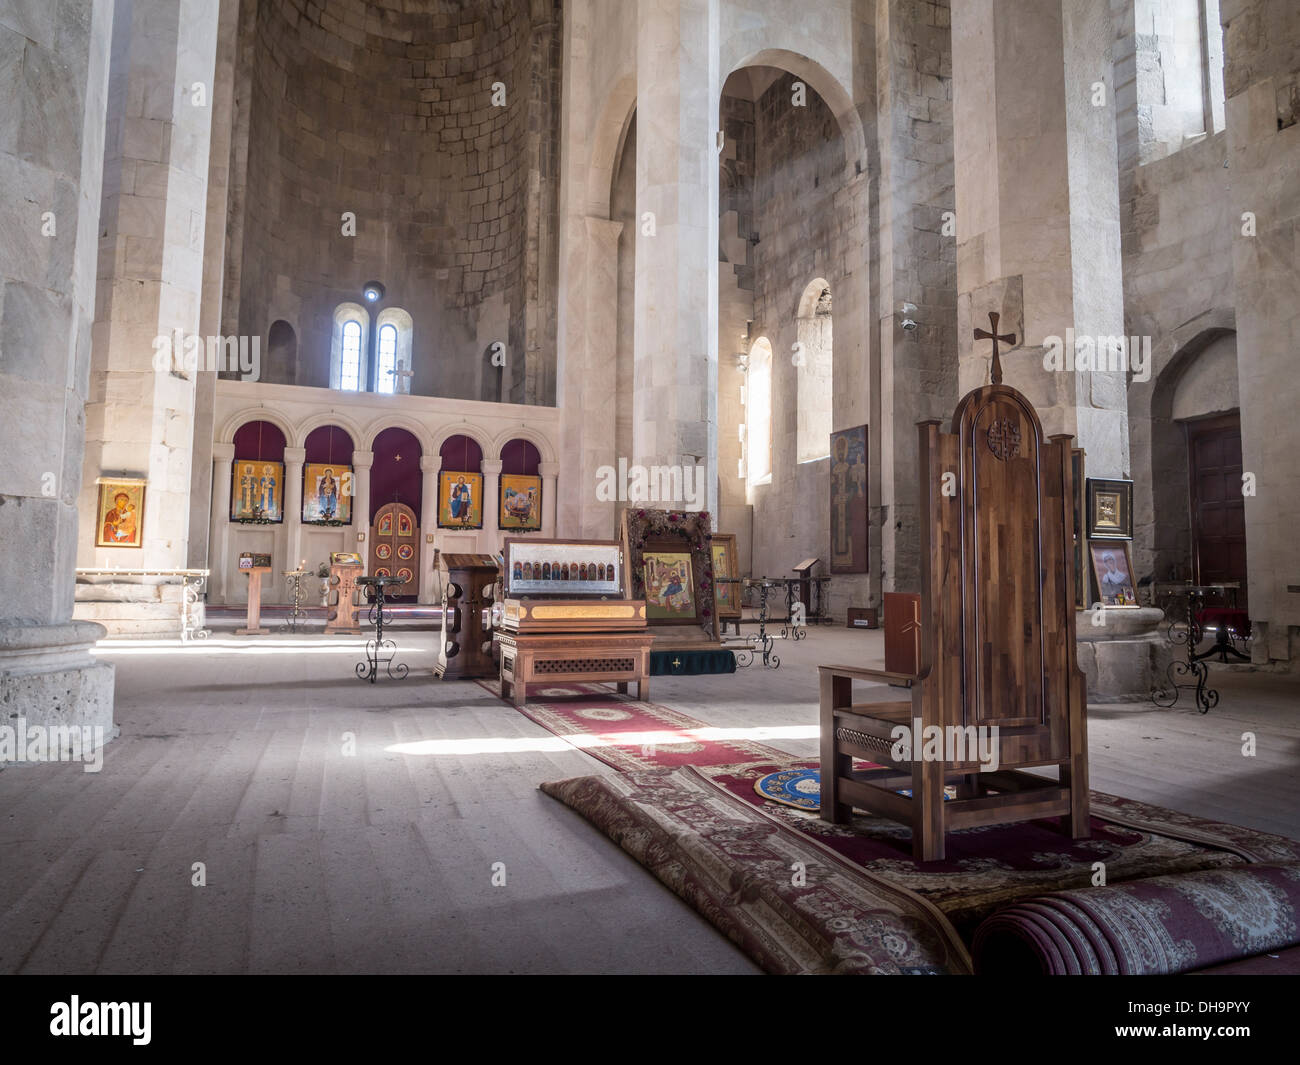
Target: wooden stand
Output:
{"points": [[254, 621], [343, 618], [465, 649], [532, 659]]}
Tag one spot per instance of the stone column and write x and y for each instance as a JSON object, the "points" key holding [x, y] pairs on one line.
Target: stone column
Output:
{"points": [[490, 538], [223, 458], [51, 156], [589, 394], [548, 472], [140, 413], [294, 457], [361, 463], [675, 355], [430, 465], [1260, 83], [1038, 240], [1038, 235]]}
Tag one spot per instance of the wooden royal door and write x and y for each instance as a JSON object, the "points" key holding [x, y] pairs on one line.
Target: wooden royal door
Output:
{"points": [[395, 548], [1218, 508]]}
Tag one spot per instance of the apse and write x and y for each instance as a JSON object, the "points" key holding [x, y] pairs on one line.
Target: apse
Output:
{"points": [[410, 145]]}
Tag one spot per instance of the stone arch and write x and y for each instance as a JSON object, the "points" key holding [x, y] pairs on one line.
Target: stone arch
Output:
{"points": [[832, 91], [519, 432], [337, 418], [443, 433], [1169, 475], [280, 367], [394, 421], [257, 414], [609, 133]]}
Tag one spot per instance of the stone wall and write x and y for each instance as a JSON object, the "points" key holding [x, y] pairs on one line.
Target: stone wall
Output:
{"points": [[388, 112]]}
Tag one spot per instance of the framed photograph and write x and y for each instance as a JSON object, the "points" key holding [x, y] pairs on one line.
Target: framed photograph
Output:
{"points": [[521, 502], [120, 520], [257, 491], [460, 500], [669, 585], [726, 564], [1110, 509], [326, 493], [849, 517], [1112, 567], [570, 568]]}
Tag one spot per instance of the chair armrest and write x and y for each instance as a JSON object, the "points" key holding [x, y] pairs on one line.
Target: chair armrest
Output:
{"points": [[866, 673]]}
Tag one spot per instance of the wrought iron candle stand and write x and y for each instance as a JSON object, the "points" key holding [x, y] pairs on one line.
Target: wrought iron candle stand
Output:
{"points": [[373, 590], [1166, 695], [795, 625], [297, 615], [761, 642]]}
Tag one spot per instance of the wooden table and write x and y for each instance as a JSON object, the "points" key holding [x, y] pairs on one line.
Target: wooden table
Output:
{"points": [[531, 659]]}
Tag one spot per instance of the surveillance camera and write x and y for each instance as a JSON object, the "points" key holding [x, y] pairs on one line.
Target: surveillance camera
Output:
{"points": [[908, 324], [909, 308]]}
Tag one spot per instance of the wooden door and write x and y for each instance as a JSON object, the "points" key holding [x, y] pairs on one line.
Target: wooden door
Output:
{"points": [[395, 548], [1218, 508]]}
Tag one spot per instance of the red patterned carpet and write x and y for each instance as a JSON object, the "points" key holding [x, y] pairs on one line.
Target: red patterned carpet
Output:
{"points": [[801, 895], [631, 735]]}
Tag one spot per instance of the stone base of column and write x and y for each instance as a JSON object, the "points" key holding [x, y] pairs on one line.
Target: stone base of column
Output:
{"points": [[1124, 658], [49, 680]]}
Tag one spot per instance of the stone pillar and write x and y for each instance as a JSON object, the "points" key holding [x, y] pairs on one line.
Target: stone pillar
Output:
{"points": [[675, 355], [223, 458], [430, 465], [590, 395], [361, 463], [140, 417], [1262, 86], [214, 255], [1038, 236], [294, 457], [548, 472], [51, 159], [490, 538]]}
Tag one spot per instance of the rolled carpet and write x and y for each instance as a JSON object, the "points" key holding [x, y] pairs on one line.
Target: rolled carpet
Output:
{"points": [[1167, 924]]}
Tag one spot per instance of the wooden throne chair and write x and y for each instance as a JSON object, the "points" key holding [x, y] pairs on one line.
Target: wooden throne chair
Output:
{"points": [[997, 645]]}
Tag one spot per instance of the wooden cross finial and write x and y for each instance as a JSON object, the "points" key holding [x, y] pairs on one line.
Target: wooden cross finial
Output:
{"points": [[1006, 338]]}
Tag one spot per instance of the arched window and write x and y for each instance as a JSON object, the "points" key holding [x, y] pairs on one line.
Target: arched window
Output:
{"points": [[386, 361], [815, 363], [348, 348], [758, 413], [393, 368], [350, 361]]}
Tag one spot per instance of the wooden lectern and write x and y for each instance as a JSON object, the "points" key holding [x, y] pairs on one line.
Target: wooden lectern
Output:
{"points": [[343, 617], [253, 624], [465, 648]]}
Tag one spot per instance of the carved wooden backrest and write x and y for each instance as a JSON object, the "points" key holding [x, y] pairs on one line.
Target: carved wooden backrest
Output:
{"points": [[997, 561]]}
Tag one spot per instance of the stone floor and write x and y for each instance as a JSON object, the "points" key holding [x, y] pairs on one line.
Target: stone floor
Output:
{"points": [[231, 754]]}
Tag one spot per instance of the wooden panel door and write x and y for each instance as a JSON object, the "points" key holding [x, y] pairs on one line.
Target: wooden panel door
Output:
{"points": [[1218, 508], [395, 548]]}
